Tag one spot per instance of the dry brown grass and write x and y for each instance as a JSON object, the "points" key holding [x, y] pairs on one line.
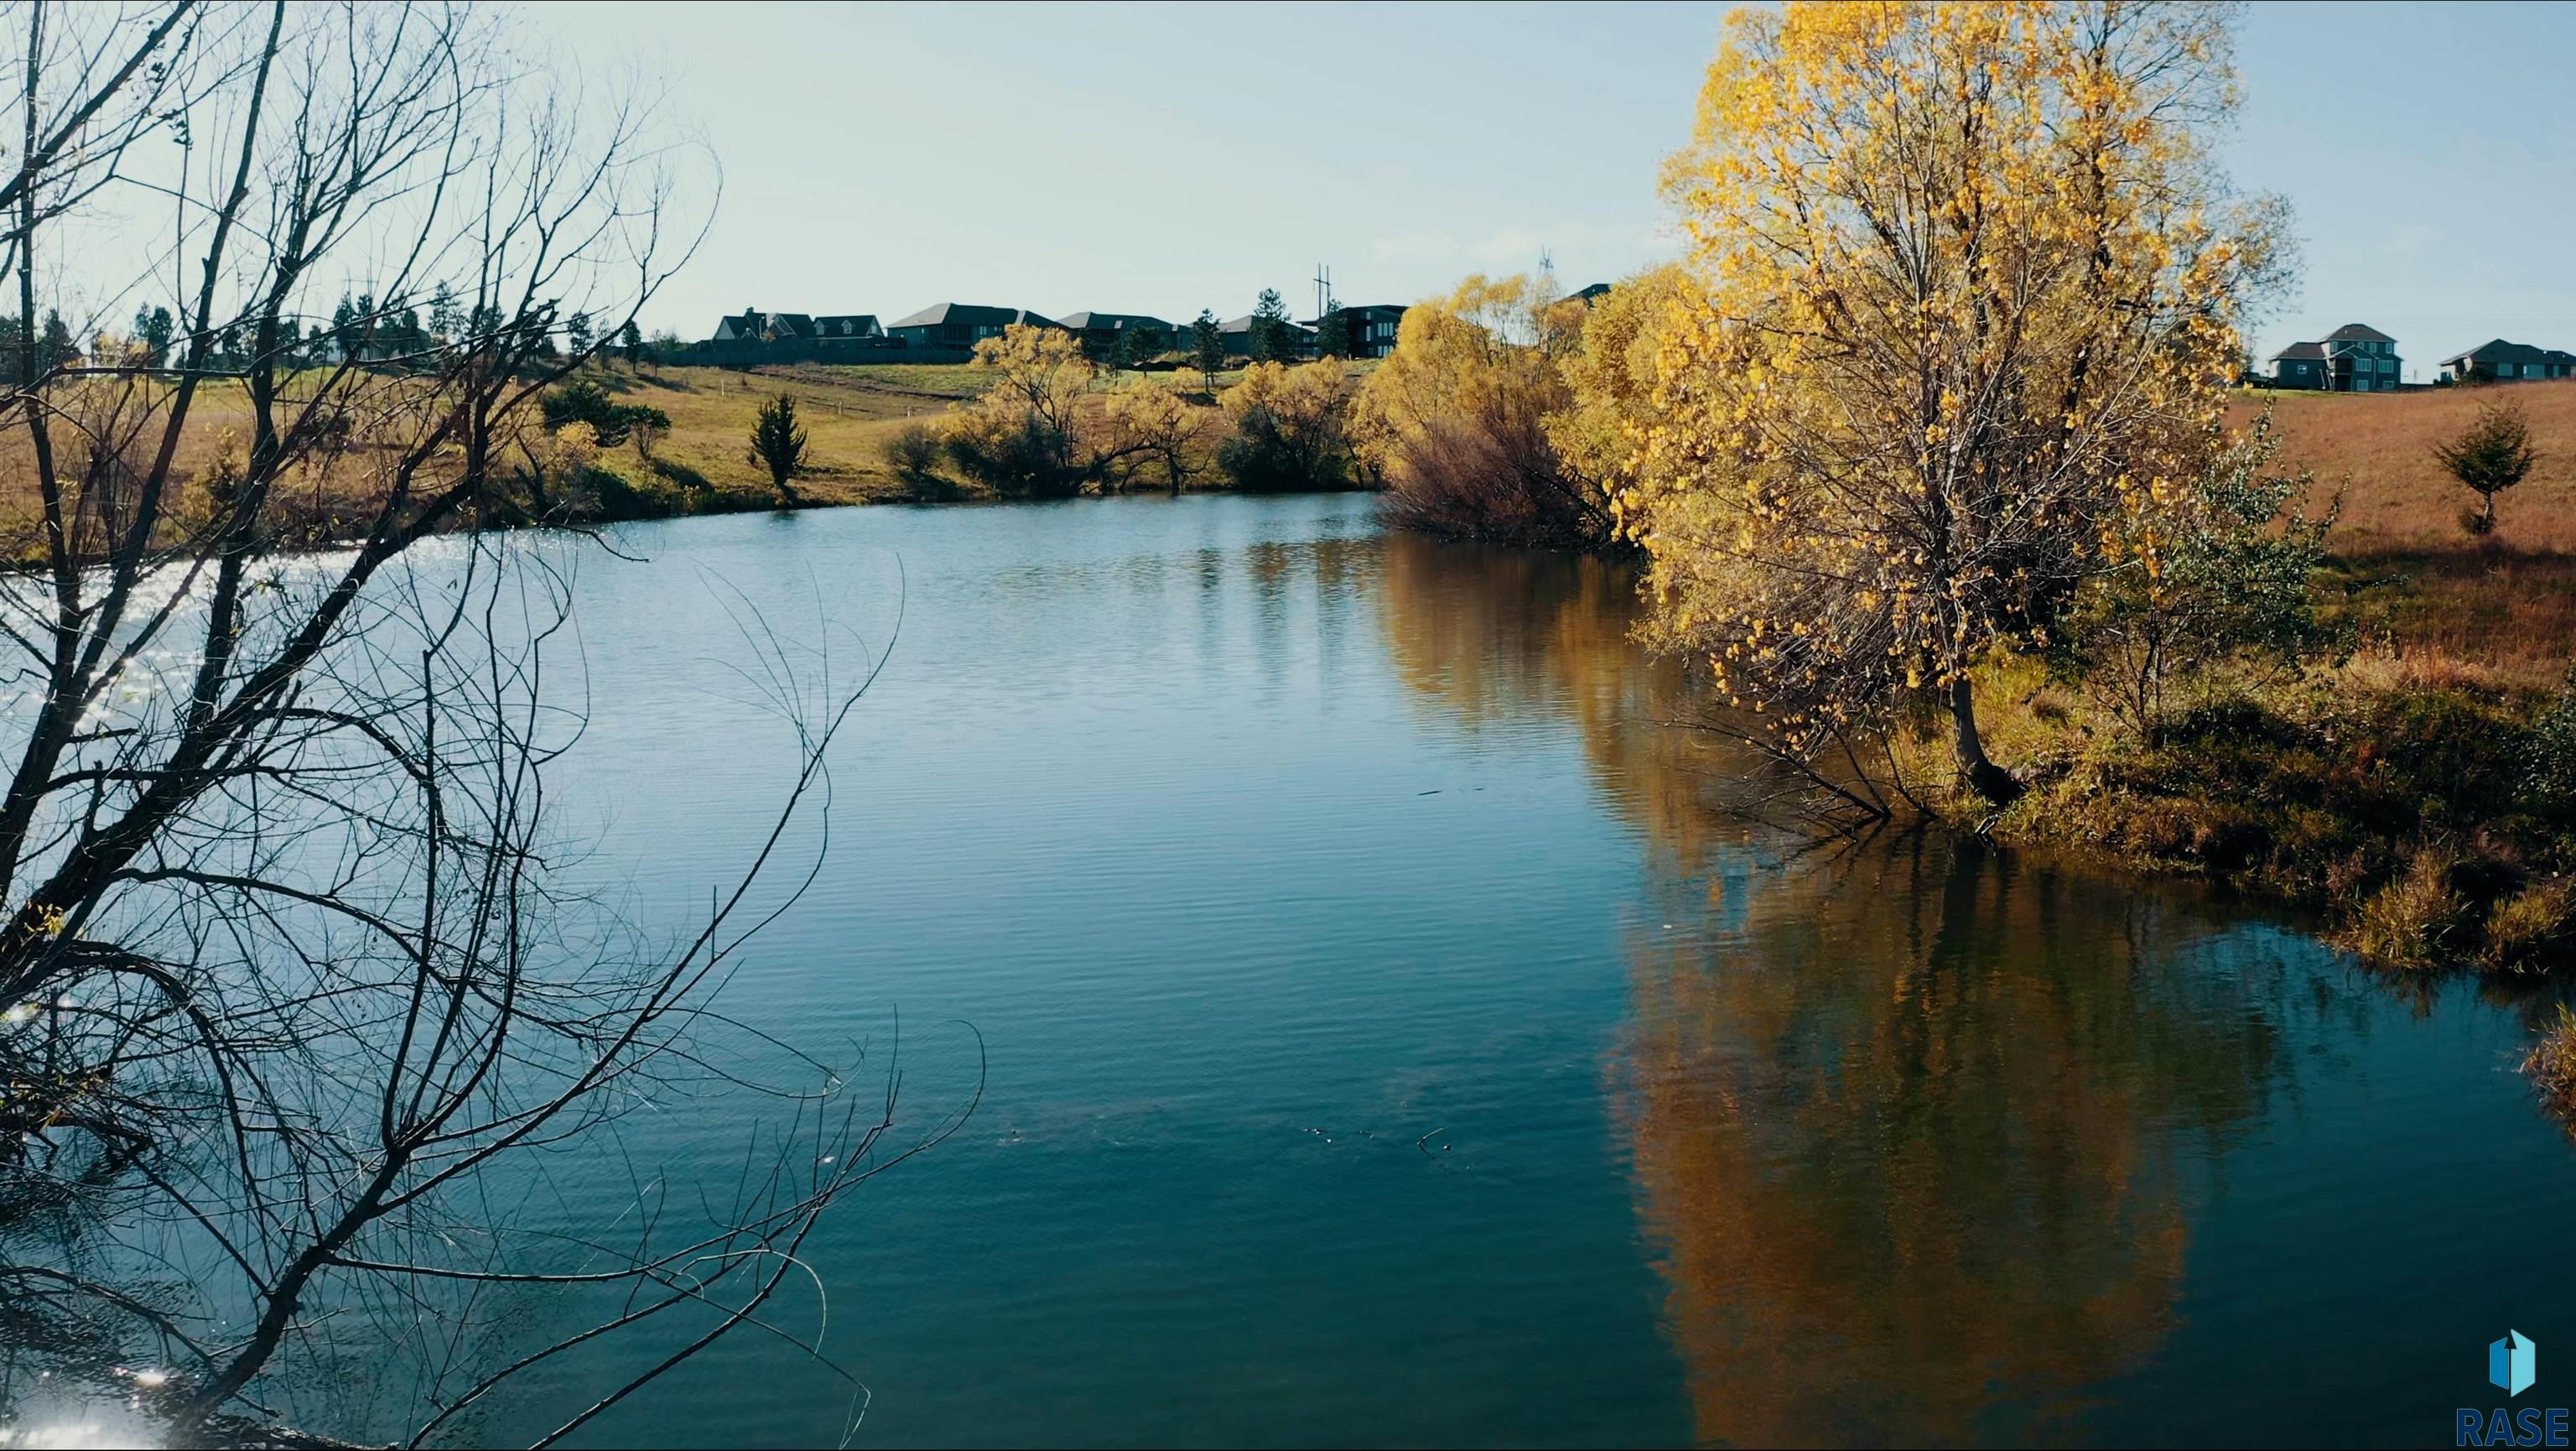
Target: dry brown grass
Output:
{"points": [[2378, 449], [2462, 615]]}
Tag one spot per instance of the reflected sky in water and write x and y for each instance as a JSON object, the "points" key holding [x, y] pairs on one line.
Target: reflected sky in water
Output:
{"points": [[1388, 1045]]}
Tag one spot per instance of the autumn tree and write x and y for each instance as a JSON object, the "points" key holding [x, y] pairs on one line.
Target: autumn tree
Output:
{"points": [[2492, 454], [1966, 287], [1028, 435], [1145, 431], [1455, 420], [1018, 438], [1290, 429], [778, 443]]}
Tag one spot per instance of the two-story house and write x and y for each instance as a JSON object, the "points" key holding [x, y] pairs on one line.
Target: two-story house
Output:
{"points": [[1371, 329], [2499, 361], [2354, 358]]}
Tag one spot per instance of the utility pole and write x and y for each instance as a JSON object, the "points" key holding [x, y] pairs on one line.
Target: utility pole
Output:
{"points": [[1323, 289]]}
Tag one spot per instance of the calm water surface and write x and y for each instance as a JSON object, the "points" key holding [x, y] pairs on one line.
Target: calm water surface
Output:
{"points": [[1387, 1045]]}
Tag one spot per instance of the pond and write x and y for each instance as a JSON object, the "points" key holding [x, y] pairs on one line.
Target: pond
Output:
{"points": [[1387, 1043]]}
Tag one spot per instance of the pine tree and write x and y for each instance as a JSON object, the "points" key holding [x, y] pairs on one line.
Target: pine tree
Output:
{"points": [[1333, 331], [1207, 346], [446, 318], [778, 443], [153, 328], [1274, 337], [57, 345]]}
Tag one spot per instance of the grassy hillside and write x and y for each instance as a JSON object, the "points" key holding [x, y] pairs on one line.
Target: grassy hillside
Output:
{"points": [[2434, 605], [2378, 448]]}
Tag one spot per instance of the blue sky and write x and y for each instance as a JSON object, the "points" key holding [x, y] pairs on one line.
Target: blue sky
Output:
{"points": [[1164, 158]]}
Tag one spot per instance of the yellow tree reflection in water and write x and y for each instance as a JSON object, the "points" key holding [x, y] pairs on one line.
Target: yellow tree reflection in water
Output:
{"points": [[1908, 1124], [1909, 1138]]}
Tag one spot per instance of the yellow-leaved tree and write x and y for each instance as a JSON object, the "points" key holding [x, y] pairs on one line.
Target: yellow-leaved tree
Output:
{"points": [[1965, 289], [1455, 419], [1291, 428]]}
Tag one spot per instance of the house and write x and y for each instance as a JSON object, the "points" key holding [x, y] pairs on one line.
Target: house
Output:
{"points": [[740, 329], [2354, 358], [1236, 333], [848, 325], [1592, 294], [1372, 329], [2498, 360], [1147, 336], [953, 325]]}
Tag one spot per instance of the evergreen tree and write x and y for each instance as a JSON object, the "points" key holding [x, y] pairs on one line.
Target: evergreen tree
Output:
{"points": [[57, 346], [577, 332], [1333, 331], [778, 442], [1207, 348], [152, 328], [630, 338], [446, 318], [1274, 337]]}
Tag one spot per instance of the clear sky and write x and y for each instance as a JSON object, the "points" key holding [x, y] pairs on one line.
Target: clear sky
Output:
{"points": [[1163, 158]]}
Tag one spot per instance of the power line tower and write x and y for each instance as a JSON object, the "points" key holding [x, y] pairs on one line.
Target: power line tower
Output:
{"points": [[1323, 288]]}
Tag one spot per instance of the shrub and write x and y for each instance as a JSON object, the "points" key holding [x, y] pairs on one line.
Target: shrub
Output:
{"points": [[2533, 929], [1290, 429], [584, 401], [1022, 456], [1457, 421], [912, 453], [2415, 920], [2551, 1067]]}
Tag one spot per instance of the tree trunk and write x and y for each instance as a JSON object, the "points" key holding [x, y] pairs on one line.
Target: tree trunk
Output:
{"points": [[1983, 776]]}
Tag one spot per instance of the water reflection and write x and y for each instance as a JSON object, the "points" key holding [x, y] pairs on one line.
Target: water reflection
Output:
{"points": [[1916, 1138], [1914, 1128], [1505, 639]]}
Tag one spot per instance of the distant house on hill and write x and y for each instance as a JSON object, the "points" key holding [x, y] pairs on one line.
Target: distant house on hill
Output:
{"points": [[2498, 361], [1371, 329], [1100, 332], [752, 325], [1593, 294], [2353, 358], [1236, 334], [739, 329], [960, 324], [848, 325]]}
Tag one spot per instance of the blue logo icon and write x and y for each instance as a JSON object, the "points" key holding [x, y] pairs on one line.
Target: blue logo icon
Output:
{"points": [[2510, 1363]]}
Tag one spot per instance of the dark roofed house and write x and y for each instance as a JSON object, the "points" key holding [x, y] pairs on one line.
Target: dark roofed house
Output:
{"points": [[746, 328], [2497, 361], [960, 325], [848, 325], [1100, 332], [1593, 294], [1372, 329], [1236, 333], [2354, 358]]}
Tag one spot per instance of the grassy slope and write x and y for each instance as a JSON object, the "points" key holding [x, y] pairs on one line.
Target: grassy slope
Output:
{"points": [[2378, 449], [2399, 790], [2428, 598]]}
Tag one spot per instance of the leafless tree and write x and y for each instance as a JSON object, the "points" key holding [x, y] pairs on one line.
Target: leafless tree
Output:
{"points": [[289, 975]]}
